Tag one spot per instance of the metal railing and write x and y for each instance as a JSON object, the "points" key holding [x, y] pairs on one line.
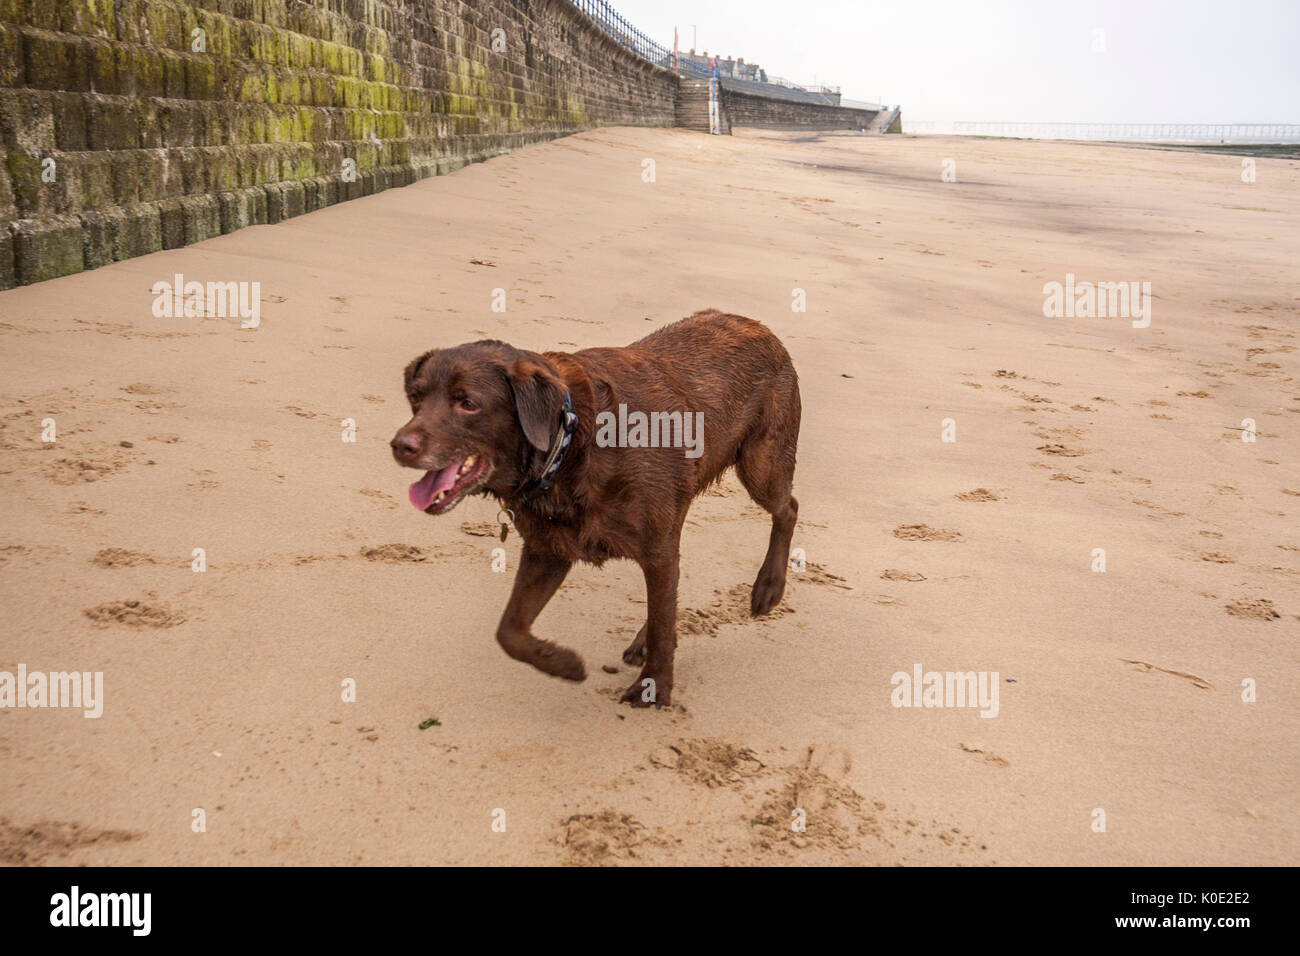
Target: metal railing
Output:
{"points": [[603, 14], [804, 87], [794, 94], [1138, 132]]}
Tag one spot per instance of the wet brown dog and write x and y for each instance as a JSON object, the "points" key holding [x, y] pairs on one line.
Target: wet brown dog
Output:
{"points": [[557, 438]]}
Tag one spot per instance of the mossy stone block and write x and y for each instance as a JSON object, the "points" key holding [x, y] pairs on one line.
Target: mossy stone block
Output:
{"points": [[47, 248], [8, 275], [51, 62], [111, 124], [172, 215], [90, 17], [141, 233], [11, 59], [69, 117], [99, 236], [274, 203], [202, 218], [200, 77], [125, 166], [8, 208], [173, 74]]}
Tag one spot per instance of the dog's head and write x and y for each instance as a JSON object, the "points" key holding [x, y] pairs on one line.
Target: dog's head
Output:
{"points": [[483, 414]]}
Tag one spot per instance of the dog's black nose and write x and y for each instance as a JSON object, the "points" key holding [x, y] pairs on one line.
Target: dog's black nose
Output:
{"points": [[406, 446]]}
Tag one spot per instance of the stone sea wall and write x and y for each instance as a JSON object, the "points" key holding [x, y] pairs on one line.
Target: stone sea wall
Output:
{"points": [[129, 126]]}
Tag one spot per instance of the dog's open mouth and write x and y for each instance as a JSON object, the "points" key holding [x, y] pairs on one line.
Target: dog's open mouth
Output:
{"points": [[440, 491]]}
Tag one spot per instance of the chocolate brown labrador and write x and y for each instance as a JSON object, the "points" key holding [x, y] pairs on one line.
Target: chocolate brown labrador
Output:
{"points": [[599, 453]]}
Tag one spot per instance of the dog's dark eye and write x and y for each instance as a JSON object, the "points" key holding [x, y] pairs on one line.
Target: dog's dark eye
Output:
{"points": [[467, 404]]}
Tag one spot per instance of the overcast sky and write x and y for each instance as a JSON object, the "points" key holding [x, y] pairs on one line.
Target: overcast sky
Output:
{"points": [[1164, 61]]}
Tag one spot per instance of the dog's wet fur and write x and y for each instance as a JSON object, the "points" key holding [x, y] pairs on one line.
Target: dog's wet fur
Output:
{"points": [[485, 415]]}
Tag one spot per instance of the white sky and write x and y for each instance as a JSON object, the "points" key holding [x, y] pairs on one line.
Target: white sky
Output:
{"points": [[1165, 61]]}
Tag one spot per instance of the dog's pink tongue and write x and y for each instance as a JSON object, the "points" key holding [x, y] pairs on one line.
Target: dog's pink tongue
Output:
{"points": [[426, 489]]}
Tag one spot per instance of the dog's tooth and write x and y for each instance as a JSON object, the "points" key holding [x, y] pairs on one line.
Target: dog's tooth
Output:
{"points": [[441, 495], [469, 463], [463, 468]]}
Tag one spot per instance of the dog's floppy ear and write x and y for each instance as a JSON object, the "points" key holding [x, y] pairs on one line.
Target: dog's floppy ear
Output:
{"points": [[539, 396], [413, 370]]}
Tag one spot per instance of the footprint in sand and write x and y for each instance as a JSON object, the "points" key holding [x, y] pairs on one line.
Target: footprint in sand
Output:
{"points": [[816, 574], [1256, 609], [978, 494], [1059, 450], [396, 554], [134, 614], [1215, 557], [300, 411], [923, 532], [893, 574], [11, 551], [111, 558], [32, 844], [203, 483], [143, 388], [709, 763], [1157, 511], [731, 607], [606, 838], [380, 497], [988, 755], [71, 471], [839, 824]]}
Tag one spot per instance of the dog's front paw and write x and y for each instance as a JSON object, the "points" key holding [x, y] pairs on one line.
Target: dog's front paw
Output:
{"points": [[648, 692], [766, 593], [559, 662]]}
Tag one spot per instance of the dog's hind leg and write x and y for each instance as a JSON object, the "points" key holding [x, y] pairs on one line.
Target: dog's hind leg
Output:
{"points": [[539, 577], [765, 464]]}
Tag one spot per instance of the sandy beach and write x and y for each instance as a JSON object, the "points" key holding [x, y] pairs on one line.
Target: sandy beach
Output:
{"points": [[1160, 692]]}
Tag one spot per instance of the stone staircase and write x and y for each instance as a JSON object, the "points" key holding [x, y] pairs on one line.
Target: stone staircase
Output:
{"points": [[692, 106], [888, 120]]}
